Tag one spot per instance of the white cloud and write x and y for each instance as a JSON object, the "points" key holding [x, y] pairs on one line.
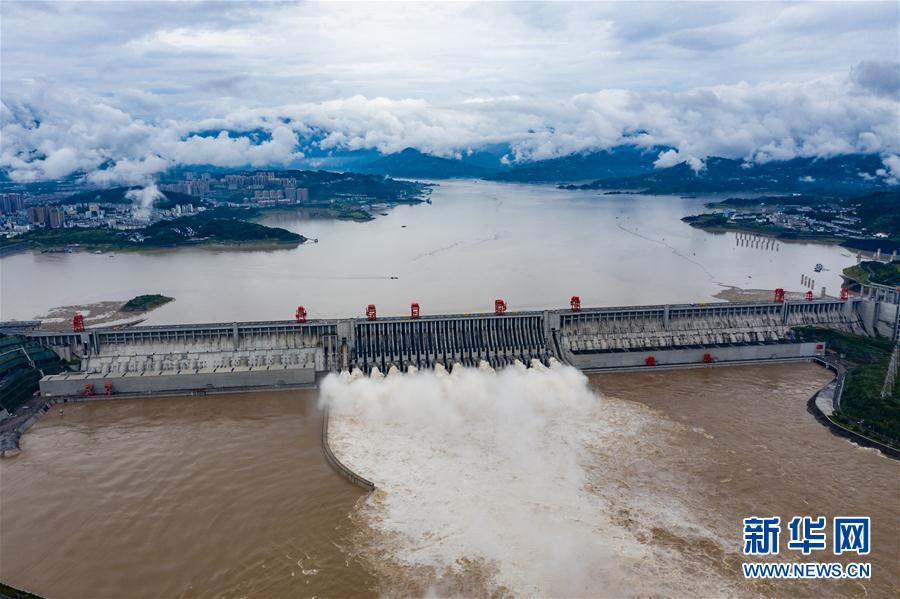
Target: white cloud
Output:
{"points": [[48, 134], [891, 171], [143, 199], [224, 150], [131, 172], [120, 90]]}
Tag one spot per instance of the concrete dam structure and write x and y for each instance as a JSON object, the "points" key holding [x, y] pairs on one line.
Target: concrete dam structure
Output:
{"points": [[246, 355]]}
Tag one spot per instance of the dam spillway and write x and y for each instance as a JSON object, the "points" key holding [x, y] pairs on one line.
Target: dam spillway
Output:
{"points": [[447, 340], [245, 355]]}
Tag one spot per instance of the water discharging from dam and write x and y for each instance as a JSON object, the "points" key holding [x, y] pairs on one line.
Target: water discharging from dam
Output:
{"points": [[524, 479], [511, 480]]}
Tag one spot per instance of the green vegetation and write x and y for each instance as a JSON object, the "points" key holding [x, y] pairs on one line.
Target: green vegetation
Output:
{"points": [[875, 272], [327, 186], [354, 214], [862, 407], [878, 212], [207, 227], [210, 227], [719, 222], [14, 593], [143, 303], [781, 200], [99, 239], [18, 376], [799, 175]]}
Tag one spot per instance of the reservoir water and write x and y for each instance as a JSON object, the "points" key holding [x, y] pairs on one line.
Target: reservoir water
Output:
{"points": [[535, 246], [637, 491]]}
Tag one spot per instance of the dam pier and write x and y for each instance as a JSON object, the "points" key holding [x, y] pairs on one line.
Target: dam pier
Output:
{"points": [[201, 358]]}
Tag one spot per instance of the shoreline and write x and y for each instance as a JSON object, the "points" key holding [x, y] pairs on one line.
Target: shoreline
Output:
{"points": [[733, 293], [836, 386], [788, 237], [240, 246], [107, 313]]}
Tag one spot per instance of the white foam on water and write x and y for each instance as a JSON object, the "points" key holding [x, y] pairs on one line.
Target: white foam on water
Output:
{"points": [[518, 470]]}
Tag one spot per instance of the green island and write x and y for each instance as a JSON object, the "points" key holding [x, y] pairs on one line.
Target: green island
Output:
{"points": [[144, 303], [863, 410], [870, 271], [219, 226]]}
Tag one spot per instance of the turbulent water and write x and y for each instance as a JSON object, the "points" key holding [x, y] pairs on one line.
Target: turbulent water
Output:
{"points": [[517, 482], [528, 482], [502, 474]]}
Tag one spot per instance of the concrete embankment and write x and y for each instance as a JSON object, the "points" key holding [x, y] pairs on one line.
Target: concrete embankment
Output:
{"points": [[336, 463], [828, 399]]}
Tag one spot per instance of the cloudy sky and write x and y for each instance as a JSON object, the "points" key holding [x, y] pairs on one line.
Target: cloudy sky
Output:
{"points": [[124, 90]]}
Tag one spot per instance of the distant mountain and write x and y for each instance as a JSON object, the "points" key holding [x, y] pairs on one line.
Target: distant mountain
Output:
{"points": [[413, 164], [621, 161], [616, 162], [848, 173]]}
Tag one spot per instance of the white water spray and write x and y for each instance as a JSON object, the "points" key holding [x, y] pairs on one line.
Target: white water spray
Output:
{"points": [[504, 470]]}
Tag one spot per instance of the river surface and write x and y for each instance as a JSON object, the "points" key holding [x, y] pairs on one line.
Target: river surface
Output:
{"points": [[533, 245], [224, 496], [230, 495]]}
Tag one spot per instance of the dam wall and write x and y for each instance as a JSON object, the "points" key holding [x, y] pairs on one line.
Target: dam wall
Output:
{"points": [[217, 356], [692, 357], [600, 339], [73, 383]]}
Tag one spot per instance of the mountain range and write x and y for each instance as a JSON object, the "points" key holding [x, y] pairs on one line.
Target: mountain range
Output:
{"points": [[847, 173], [632, 168], [624, 167]]}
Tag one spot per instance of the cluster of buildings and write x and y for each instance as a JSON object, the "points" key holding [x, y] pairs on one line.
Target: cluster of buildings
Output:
{"points": [[11, 203], [46, 216], [837, 220], [21, 212], [262, 188]]}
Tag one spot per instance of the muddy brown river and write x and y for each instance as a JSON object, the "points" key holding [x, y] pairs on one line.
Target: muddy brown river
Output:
{"points": [[230, 496]]}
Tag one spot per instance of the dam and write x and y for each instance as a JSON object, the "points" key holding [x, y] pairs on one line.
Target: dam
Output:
{"points": [[216, 357]]}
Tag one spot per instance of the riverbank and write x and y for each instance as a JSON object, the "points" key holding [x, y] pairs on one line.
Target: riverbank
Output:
{"points": [[717, 223], [861, 364], [732, 293], [827, 400], [874, 273], [101, 313]]}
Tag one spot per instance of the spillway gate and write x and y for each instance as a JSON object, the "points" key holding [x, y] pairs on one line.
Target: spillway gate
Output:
{"points": [[464, 339]]}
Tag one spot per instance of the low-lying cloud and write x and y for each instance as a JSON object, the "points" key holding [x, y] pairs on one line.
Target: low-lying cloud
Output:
{"points": [[53, 133]]}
